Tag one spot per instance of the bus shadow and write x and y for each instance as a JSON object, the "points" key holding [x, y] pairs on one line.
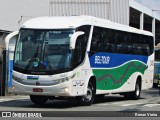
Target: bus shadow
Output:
{"points": [[108, 99], [59, 104]]}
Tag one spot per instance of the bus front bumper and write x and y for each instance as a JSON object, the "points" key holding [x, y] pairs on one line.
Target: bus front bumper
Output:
{"points": [[62, 89]]}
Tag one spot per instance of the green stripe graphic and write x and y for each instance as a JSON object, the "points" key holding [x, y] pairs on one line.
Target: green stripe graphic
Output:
{"points": [[109, 79]]}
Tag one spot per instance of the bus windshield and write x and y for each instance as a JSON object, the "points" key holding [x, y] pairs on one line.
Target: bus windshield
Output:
{"points": [[43, 50]]}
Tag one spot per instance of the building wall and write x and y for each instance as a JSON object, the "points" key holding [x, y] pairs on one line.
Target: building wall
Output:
{"points": [[97, 8], [15, 12], [114, 10], [120, 11]]}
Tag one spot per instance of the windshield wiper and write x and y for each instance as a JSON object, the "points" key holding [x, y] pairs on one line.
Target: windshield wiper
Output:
{"points": [[31, 60]]}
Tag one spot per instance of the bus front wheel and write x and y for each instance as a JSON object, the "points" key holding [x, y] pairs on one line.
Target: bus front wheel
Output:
{"points": [[38, 100], [90, 96]]}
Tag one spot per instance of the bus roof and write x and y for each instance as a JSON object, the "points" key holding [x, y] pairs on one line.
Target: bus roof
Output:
{"points": [[66, 22]]}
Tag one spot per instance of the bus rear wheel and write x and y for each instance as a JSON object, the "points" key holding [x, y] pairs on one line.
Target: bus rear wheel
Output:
{"points": [[135, 95], [38, 100], [90, 96]]}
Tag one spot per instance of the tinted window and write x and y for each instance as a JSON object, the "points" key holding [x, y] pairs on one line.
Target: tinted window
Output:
{"points": [[96, 40], [115, 41], [81, 45]]}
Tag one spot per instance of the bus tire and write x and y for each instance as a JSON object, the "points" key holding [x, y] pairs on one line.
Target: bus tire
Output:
{"points": [[90, 96], [137, 92], [135, 95], [38, 100]]}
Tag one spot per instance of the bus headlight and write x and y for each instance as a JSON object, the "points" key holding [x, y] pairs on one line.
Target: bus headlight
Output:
{"points": [[59, 81], [16, 78]]}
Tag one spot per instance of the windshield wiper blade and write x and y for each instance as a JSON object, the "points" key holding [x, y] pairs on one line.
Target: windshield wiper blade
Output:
{"points": [[34, 56]]}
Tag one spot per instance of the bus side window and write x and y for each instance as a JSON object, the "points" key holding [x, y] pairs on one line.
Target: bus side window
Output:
{"points": [[140, 51], [129, 49], [111, 39], [114, 46], [151, 44], [96, 41], [105, 42], [79, 51], [119, 48], [106, 47], [135, 50], [120, 43], [148, 51], [95, 44], [145, 51]]}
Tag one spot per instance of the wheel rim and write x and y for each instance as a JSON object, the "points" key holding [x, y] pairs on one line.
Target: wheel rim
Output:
{"points": [[88, 96], [137, 90]]}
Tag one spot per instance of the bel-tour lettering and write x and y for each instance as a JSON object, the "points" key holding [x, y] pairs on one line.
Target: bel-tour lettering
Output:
{"points": [[102, 59]]}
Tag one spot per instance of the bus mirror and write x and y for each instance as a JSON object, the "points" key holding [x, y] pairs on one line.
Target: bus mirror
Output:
{"points": [[10, 40], [74, 38]]}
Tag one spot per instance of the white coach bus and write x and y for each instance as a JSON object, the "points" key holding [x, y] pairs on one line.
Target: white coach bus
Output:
{"points": [[81, 57]]}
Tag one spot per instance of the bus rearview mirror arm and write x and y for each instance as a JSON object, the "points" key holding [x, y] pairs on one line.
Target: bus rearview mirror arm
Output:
{"points": [[74, 38]]}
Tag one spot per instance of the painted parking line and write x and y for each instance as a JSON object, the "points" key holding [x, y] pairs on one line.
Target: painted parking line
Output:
{"points": [[11, 99], [126, 105], [114, 103], [151, 105], [5, 100]]}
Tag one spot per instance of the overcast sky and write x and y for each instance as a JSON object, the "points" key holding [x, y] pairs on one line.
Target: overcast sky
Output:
{"points": [[153, 4]]}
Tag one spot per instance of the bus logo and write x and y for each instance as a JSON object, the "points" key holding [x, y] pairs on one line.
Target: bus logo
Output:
{"points": [[37, 83]]}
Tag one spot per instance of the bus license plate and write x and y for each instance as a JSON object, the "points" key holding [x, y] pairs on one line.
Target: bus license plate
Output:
{"points": [[37, 90]]}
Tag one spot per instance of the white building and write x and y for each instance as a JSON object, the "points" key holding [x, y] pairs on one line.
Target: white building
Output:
{"points": [[15, 12]]}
